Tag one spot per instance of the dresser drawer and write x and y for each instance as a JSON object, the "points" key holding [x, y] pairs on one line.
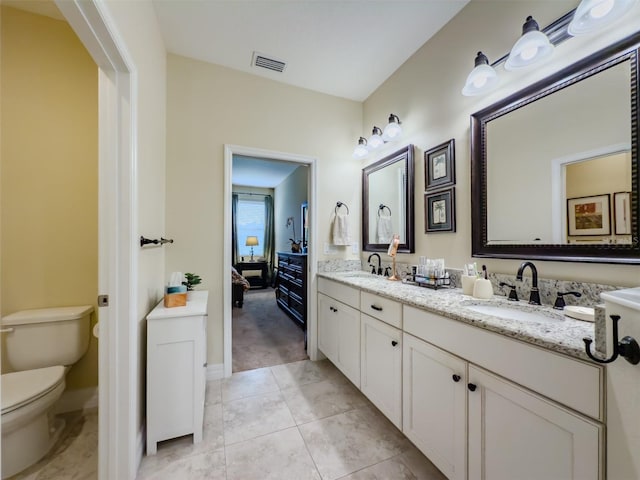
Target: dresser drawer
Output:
{"points": [[340, 291], [388, 311]]}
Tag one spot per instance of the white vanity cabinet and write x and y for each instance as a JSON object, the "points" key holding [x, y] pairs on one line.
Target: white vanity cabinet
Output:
{"points": [[512, 432], [515, 433], [176, 370], [381, 368], [339, 327]]}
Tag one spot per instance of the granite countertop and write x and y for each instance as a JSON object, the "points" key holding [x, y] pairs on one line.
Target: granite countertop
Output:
{"points": [[555, 332]]}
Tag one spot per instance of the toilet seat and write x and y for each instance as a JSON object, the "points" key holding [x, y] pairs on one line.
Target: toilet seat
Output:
{"points": [[21, 388]]}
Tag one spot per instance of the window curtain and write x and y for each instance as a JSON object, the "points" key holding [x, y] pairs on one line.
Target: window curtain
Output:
{"points": [[234, 229], [269, 233]]}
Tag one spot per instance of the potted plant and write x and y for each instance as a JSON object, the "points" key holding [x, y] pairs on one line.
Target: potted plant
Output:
{"points": [[191, 279]]}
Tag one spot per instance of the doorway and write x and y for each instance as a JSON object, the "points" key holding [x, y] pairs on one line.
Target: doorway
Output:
{"points": [[230, 151]]}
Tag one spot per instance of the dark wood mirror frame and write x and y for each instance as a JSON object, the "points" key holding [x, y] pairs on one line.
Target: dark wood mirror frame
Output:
{"points": [[405, 154], [626, 49]]}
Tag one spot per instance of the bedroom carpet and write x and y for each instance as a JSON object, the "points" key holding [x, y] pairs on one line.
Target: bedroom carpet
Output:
{"points": [[263, 335]]}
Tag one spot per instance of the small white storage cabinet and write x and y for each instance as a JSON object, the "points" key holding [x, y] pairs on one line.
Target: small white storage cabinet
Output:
{"points": [[176, 370]]}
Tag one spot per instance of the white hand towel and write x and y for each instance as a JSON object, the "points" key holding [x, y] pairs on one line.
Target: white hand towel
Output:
{"points": [[385, 229], [341, 235]]}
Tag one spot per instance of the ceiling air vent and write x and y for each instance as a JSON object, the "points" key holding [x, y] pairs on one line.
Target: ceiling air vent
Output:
{"points": [[262, 61]]}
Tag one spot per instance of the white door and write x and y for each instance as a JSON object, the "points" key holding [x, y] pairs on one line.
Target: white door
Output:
{"points": [[381, 367], [434, 399], [515, 434]]}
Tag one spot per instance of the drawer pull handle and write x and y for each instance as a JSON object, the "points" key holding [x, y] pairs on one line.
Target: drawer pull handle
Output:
{"points": [[333, 309], [376, 308], [394, 343], [456, 378], [472, 387]]}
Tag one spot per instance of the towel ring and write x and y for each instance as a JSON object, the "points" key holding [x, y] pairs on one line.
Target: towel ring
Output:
{"points": [[382, 207], [340, 204]]}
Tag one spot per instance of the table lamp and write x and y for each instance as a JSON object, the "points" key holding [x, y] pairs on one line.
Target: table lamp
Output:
{"points": [[252, 241]]}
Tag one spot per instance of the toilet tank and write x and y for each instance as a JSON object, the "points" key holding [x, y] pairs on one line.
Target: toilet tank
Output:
{"points": [[46, 337]]}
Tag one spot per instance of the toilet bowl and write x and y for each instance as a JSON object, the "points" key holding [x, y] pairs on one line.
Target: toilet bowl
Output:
{"points": [[41, 345], [28, 429]]}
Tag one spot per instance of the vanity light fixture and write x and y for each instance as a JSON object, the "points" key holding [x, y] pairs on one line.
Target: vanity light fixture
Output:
{"points": [[375, 140], [530, 48], [482, 79], [393, 130], [591, 15], [361, 149]]}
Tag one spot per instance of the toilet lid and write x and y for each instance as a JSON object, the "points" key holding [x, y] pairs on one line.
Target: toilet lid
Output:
{"points": [[19, 388]]}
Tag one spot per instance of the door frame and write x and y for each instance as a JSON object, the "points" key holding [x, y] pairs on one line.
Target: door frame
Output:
{"points": [[117, 260], [229, 151]]}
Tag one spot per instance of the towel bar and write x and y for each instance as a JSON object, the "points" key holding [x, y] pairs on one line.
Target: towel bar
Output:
{"points": [[341, 204]]}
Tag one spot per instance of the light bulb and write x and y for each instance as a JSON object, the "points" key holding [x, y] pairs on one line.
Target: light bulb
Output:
{"points": [[602, 9], [529, 52], [480, 81]]}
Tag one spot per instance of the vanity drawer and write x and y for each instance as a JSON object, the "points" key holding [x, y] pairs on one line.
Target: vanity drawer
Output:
{"points": [[381, 308], [572, 382], [340, 292]]}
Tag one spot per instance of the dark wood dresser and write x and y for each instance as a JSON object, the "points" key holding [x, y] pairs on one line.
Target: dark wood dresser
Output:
{"points": [[291, 284]]}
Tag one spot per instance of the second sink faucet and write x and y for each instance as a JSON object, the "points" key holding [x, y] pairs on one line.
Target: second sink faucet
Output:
{"points": [[373, 267], [534, 296]]}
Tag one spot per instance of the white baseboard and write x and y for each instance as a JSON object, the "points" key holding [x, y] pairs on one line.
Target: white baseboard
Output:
{"points": [[79, 399], [215, 372]]}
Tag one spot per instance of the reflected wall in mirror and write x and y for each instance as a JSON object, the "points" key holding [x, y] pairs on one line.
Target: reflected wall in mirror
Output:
{"points": [[569, 136], [388, 203], [304, 221]]}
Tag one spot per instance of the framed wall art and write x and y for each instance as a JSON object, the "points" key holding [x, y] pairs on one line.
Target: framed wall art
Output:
{"points": [[622, 212], [439, 166], [589, 215], [440, 211]]}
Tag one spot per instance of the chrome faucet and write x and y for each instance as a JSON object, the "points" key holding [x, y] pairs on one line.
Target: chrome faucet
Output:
{"points": [[373, 267], [534, 296]]}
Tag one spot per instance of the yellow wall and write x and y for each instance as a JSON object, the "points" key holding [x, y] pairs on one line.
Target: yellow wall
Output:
{"points": [[49, 166]]}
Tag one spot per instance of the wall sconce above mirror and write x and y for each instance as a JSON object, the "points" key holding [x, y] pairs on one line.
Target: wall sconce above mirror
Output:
{"points": [[388, 202], [392, 132], [535, 45]]}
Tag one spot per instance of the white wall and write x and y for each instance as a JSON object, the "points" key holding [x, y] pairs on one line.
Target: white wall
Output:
{"points": [[209, 106], [137, 26], [425, 94], [289, 196]]}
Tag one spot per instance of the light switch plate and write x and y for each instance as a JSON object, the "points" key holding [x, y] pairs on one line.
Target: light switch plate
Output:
{"points": [[355, 247]]}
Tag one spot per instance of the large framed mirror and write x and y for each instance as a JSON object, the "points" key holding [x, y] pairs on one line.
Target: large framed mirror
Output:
{"points": [[388, 202], [554, 167]]}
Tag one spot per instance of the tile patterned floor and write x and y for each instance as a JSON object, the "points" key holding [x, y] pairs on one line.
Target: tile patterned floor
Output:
{"points": [[75, 456], [303, 420]]}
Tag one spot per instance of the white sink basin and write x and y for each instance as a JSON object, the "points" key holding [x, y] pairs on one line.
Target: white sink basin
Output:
{"points": [[360, 274], [511, 313]]}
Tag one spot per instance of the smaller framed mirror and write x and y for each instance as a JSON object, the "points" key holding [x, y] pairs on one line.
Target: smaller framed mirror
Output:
{"points": [[304, 221], [388, 202]]}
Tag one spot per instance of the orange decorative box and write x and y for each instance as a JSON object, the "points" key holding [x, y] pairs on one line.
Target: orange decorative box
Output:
{"points": [[175, 300]]}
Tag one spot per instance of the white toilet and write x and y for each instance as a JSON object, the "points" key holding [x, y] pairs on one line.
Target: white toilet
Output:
{"points": [[40, 345]]}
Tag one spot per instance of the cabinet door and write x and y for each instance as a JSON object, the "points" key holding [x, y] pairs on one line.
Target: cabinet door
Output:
{"points": [[381, 367], [515, 434], [348, 327], [434, 405], [327, 327]]}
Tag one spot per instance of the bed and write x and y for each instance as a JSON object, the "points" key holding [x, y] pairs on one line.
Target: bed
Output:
{"points": [[238, 286]]}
